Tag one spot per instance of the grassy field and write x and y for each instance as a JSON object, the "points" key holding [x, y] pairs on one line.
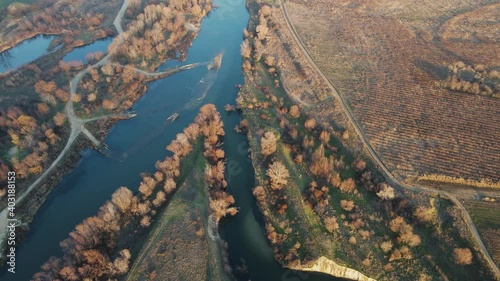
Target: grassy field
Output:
{"points": [[179, 246], [486, 216]]}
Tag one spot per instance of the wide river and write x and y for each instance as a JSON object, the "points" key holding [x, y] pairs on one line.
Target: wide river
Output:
{"points": [[136, 144]]}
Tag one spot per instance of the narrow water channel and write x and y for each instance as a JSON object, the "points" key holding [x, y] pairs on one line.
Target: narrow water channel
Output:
{"points": [[136, 144], [79, 53], [25, 52]]}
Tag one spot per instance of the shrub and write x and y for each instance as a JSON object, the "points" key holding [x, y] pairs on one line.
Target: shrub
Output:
{"points": [[278, 175], [462, 256], [294, 111], [268, 144], [386, 192]]}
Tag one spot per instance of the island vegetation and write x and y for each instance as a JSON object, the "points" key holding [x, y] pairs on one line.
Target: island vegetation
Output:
{"points": [[99, 248]]}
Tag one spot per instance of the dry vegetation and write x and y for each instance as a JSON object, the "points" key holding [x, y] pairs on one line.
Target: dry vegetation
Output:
{"points": [[159, 30], [94, 249], [32, 122], [63, 18], [182, 244], [389, 58], [483, 204], [317, 197], [179, 247]]}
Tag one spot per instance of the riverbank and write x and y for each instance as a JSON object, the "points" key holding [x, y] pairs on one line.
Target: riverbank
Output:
{"points": [[327, 266]]}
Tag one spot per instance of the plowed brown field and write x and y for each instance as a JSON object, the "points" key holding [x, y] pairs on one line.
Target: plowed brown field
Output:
{"points": [[388, 58]]}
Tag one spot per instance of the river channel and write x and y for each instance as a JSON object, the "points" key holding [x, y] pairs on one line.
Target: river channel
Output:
{"points": [[25, 52], [136, 144]]}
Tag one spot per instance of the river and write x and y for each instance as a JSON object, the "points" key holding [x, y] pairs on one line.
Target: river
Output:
{"points": [[136, 144], [79, 53]]}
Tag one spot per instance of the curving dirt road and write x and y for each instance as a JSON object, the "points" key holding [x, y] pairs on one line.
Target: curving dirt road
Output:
{"points": [[387, 174]]}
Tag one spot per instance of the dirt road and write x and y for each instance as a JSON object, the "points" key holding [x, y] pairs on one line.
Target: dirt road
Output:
{"points": [[387, 174]]}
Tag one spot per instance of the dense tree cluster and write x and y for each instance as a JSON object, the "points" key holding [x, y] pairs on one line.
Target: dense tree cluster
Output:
{"points": [[211, 127], [89, 252], [157, 30], [27, 141], [477, 79], [61, 17], [405, 232]]}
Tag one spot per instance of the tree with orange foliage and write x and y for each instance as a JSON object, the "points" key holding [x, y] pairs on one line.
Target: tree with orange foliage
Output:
{"points": [[347, 205], [49, 133], [321, 165], [278, 175], [348, 185], [169, 185], [260, 194], [169, 167], [310, 124], [59, 119], [220, 205], [27, 123], [128, 74], [76, 98], [405, 231], [294, 111], [246, 50], [42, 87], [122, 198], [214, 175], [147, 185], [426, 215], [262, 31], [192, 131], [324, 137], [386, 192], [108, 104], [268, 144], [159, 199], [462, 256], [331, 224], [62, 95], [180, 146], [42, 108]]}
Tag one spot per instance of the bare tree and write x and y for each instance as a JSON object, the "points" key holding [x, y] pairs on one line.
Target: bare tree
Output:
{"points": [[386, 192], [122, 199], [268, 144], [462, 256], [294, 111], [278, 175]]}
